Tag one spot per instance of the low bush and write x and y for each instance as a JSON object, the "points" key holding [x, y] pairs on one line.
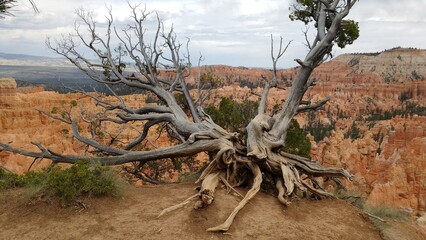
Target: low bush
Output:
{"points": [[10, 180], [82, 178]]}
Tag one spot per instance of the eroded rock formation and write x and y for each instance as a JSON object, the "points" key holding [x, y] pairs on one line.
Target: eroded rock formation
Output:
{"points": [[388, 157]]}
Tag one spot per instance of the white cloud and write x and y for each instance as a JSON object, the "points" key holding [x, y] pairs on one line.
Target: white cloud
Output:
{"points": [[234, 32]]}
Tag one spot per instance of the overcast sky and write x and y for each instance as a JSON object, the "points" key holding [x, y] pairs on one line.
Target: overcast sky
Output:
{"points": [[232, 32]]}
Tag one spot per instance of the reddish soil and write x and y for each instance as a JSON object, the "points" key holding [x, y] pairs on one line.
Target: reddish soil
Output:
{"points": [[135, 216]]}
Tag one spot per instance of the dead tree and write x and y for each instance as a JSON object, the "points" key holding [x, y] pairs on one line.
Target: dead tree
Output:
{"points": [[236, 161]]}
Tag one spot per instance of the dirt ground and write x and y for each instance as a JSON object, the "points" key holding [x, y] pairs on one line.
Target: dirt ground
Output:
{"points": [[135, 216]]}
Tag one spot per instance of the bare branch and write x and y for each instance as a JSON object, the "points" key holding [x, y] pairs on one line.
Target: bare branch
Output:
{"points": [[68, 121], [280, 53], [143, 135], [95, 144], [312, 107], [180, 150], [273, 81]]}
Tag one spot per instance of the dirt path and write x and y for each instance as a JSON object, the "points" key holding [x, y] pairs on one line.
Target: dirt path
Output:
{"points": [[134, 216]]}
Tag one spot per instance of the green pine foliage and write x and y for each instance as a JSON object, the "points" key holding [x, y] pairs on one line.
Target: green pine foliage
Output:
{"points": [[5, 6], [235, 116], [305, 11], [408, 109], [353, 132], [297, 141], [347, 33], [317, 128], [10, 180]]}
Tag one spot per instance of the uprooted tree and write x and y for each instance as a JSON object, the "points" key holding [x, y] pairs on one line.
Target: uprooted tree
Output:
{"points": [[235, 160]]}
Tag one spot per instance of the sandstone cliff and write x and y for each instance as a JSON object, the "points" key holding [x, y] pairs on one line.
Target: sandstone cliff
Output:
{"points": [[387, 157], [21, 123]]}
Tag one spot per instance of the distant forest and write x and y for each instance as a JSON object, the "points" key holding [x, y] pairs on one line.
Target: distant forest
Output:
{"points": [[60, 79]]}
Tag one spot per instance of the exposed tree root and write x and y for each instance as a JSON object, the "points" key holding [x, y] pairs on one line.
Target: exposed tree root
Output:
{"points": [[250, 194], [212, 166], [317, 191], [205, 194], [281, 192], [208, 187], [285, 168], [314, 168], [375, 217], [177, 206], [289, 178], [229, 186]]}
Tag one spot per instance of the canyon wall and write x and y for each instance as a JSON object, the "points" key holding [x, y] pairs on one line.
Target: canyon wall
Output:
{"points": [[387, 158], [21, 123]]}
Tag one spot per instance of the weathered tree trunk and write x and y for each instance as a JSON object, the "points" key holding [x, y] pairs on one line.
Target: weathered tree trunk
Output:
{"points": [[236, 161]]}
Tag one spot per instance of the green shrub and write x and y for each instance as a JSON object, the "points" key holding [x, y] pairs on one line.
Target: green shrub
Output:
{"points": [[353, 132], [54, 110], [297, 141], [10, 180], [82, 178], [233, 116], [32, 178], [73, 103], [317, 128]]}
